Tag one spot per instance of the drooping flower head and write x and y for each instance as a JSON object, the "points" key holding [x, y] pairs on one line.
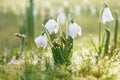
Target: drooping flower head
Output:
{"points": [[52, 26], [61, 18], [107, 15], [74, 30], [41, 41]]}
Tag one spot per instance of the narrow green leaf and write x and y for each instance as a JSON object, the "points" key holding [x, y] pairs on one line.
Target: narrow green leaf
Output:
{"points": [[70, 55], [107, 40], [116, 29], [30, 23], [102, 43], [92, 41]]}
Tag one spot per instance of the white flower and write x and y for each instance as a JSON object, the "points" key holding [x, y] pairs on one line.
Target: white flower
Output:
{"points": [[65, 4], [74, 29], [41, 41], [93, 10], [107, 15], [52, 26], [61, 18], [77, 10]]}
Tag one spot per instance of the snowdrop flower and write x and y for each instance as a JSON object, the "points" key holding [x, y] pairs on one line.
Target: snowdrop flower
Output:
{"points": [[47, 4], [61, 18], [41, 41], [65, 4], [77, 9], [74, 29], [86, 1], [52, 26], [107, 15], [93, 10], [52, 12]]}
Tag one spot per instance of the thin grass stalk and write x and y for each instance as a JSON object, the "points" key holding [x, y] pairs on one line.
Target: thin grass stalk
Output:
{"points": [[116, 29], [60, 30], [92, 41], [99, 38], [102, 43], [22, 45]]}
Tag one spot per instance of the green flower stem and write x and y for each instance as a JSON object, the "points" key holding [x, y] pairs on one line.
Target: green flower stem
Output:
{"points": [[67, 26], [22, 44], [22, 40], [60, 30], [99, 38], [48, 36], [116, 29], [107, 40], [100, 44], [93, 43]]}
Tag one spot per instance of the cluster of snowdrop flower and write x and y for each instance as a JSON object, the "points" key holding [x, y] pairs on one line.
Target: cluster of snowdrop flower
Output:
{"points": [[52, 26], [61, 47], [72, 30]]}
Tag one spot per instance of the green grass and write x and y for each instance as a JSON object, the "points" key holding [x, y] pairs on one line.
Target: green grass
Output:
{"points": [[23, 68], [86, 68]]}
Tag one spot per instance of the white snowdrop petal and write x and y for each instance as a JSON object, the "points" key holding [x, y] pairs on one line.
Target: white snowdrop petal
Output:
{"points": [[45, 42], [37, 41], [107, 16], [52, 26], [56, 30], [41, 41], [74, 29], [79, 30], [56, 27], [61, 18]]}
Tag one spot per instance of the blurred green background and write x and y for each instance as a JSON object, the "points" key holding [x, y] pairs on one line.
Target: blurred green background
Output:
{"points": [[85, 12]]}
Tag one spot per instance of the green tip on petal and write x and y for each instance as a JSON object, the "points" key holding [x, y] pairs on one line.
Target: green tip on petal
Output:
{"points": [[105, 4], [43, 33], [31, 0], [72, 21]]}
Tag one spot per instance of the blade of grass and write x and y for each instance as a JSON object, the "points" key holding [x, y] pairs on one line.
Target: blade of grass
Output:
{"points": [[92, 41], [116, 29]]}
